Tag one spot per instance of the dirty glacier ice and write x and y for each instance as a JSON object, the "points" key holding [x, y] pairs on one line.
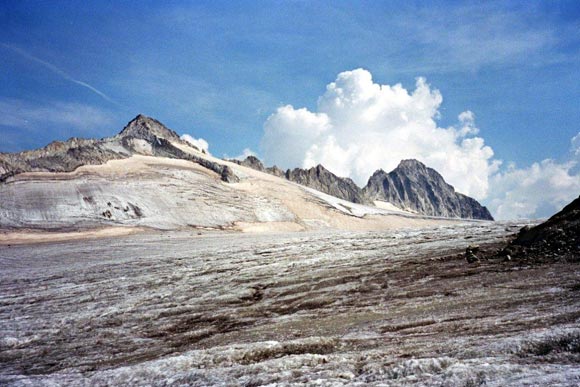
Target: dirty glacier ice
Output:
{"points": [[321, 308]]}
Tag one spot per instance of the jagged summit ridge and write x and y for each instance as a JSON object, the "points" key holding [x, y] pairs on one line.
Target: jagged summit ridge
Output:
{"points": [[416, 187], [325, 181], [411, 164], [255, 163], [412, 186], [318, 177]]}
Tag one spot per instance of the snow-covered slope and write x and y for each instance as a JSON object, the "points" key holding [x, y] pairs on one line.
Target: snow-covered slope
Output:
{"points": [[163, 193]]}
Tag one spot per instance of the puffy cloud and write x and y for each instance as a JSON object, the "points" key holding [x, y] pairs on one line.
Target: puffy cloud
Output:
{"points": [[199, 143], [360, 126], [537, 191], [540, 190], [467, 121], [290, 133]]}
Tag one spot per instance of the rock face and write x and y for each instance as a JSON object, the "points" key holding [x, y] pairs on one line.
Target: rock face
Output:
{"points": [[276, 171], [317, 177], [415, 187], [255, 163], [250, 162], [142, 135], [558, 237], [148, 129], [411, 186], [325, 181]]}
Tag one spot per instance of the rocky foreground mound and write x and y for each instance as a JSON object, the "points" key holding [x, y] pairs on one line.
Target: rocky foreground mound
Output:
{"points": [[557, 238]]}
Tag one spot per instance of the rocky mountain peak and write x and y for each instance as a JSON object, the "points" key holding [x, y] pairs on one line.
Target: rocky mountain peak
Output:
{"points": [[320, 170], [147, 128], [415, 167], [142, 135], [411, 163], [250, 162], [377, 174], [253, 162], [414, 186]]}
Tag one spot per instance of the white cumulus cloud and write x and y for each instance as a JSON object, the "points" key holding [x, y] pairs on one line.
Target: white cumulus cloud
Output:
{"points": [[360, 126], [540, 190], [199, 143]]}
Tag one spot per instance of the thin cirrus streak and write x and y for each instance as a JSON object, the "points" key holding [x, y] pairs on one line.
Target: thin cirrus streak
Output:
{"points": [[58, 71]]}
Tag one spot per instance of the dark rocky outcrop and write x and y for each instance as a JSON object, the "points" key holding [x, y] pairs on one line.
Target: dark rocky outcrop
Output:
{"points": [[147, 128], [557, 238], [250, 162], [415, 187], [317, 177], [59, 156], [411, 186], [142, 135], [274, 170], [325, 181]]}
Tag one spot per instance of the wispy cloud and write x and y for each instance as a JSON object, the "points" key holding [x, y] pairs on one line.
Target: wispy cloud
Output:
{"points": [[473, 36], [21, 114], [58, 71]]}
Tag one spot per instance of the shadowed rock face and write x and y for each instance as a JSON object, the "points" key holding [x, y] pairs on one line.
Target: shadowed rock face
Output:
{"points": [[415, 187], [317, 177], [255, 163], [325, 181], [411, 186], [558, 237], [250, 162], [147, 128], [142, 135], [276, 171]]}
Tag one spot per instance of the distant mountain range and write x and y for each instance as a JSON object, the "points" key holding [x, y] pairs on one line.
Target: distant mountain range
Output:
{"points": [[411, 186]]}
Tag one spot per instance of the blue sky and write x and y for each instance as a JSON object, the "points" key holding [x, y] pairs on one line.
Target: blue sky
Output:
{"points": [[218, 70]]}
